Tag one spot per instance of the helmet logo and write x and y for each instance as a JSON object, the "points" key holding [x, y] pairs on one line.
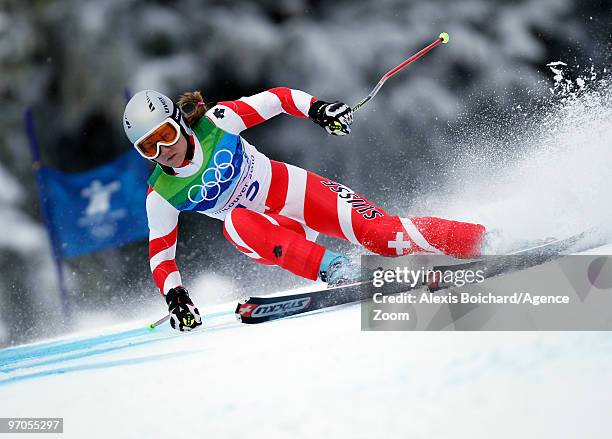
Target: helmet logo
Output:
{"points": [[177, 115], [151, 106], [163, 102]]}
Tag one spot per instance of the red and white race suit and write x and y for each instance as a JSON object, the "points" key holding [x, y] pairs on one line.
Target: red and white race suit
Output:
{"points": [[278, 221]]}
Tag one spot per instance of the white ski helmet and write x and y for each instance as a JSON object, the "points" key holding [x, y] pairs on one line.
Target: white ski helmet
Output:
{"points": [[149, 108]]}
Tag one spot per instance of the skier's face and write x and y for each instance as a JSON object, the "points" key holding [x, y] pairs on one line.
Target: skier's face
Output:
{"points": [[173, 155]]}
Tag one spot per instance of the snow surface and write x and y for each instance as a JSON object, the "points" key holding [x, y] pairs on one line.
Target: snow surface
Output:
{"points": [[316, 375]]}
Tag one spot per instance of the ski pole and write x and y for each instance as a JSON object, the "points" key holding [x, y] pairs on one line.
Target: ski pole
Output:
{"points": [[152, 326], [443, 38]]}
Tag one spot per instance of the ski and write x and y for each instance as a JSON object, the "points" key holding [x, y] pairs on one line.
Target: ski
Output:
{"points": [[253, 310], [262, 309], [522, 259]]}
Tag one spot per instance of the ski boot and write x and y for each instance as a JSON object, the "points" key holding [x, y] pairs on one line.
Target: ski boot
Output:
{"points": [[340, 270]]}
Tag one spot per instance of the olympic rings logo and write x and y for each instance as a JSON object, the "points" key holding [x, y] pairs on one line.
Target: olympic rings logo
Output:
{"points": [[211, 189]]}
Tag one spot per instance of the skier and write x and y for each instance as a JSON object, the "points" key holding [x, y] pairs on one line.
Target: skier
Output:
{"points": [[272, 211]]}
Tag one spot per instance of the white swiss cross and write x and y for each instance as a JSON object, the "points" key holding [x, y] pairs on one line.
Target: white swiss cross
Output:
{"points": [[399, 244], [247, 309]]}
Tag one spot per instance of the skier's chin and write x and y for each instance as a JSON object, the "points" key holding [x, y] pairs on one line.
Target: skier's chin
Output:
{"points": [[175, 155], [174, 160]]}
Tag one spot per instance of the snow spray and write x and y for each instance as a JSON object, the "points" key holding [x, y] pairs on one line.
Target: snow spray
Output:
{"points": [[547, 178]]}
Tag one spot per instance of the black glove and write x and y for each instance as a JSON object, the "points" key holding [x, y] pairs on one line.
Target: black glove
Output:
{"points": [[335, 117], [184, 316]]}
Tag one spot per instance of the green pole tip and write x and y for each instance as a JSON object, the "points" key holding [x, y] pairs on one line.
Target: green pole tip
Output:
{"points": [[150, 327], [444, 37]]}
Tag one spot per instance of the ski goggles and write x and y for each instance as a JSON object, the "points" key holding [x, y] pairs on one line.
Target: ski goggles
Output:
{"points": [[166, 133]]}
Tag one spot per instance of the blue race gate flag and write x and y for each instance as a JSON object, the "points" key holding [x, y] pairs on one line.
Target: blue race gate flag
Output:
{"points": [[97, 209]]}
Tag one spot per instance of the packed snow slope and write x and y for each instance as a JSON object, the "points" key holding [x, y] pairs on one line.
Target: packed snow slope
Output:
{"points": [[316, 375]]}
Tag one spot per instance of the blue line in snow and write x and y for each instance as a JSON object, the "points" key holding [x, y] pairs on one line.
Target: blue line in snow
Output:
{"points": [[21, 353], [103, 365], [33, 361], [72, 356]]}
